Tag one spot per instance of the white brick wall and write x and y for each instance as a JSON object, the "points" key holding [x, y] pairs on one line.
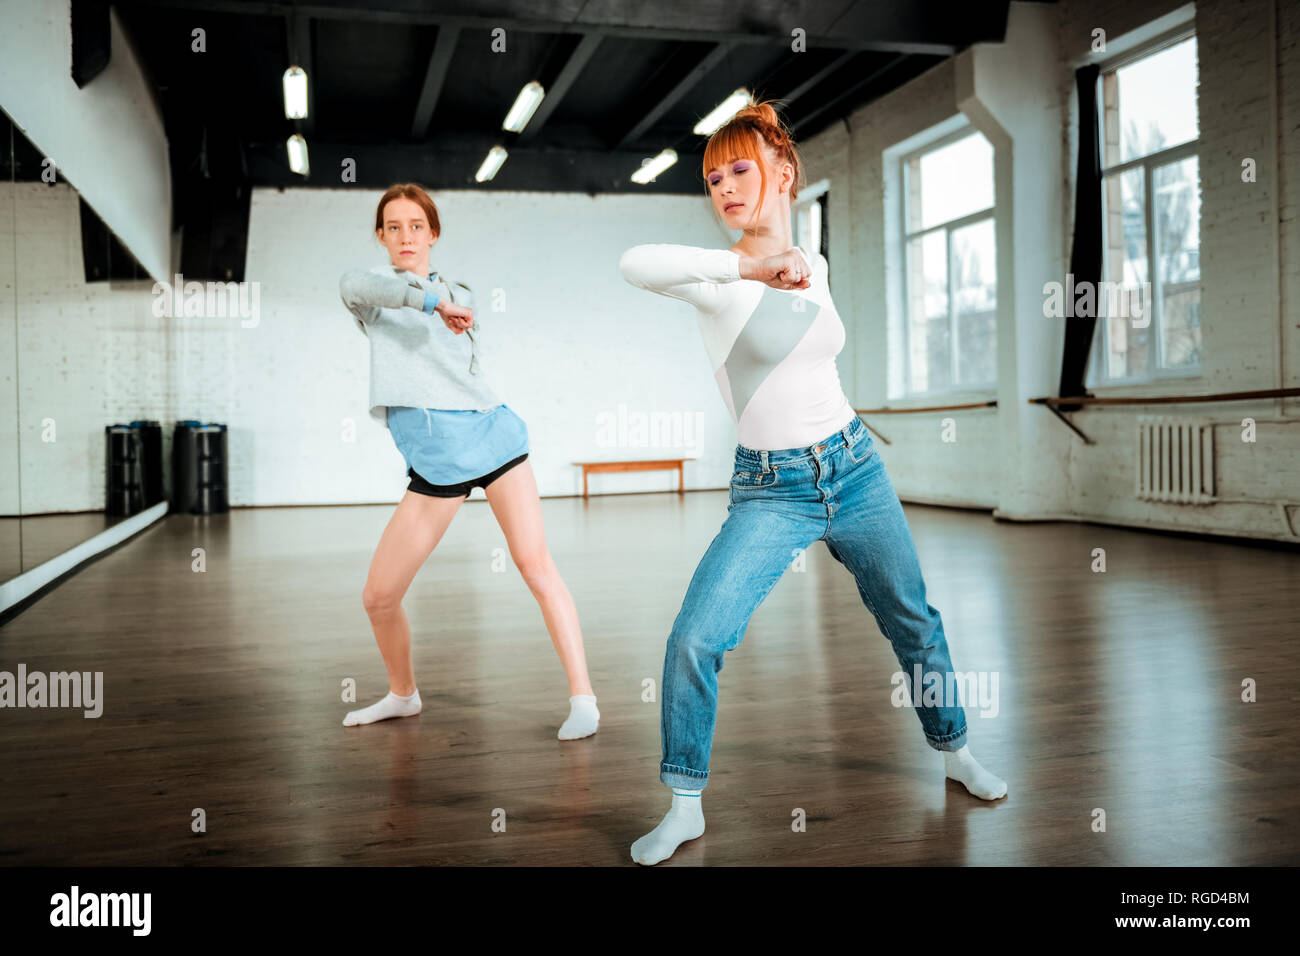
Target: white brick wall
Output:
{"points": [[1288, 111], [89, 355], [1239, 259], [574, 340], [1243, 335], [1242, 245], [849, 155]]}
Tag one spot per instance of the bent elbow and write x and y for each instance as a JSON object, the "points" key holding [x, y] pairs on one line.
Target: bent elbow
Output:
{"points": [[347, 288], [351, 291], [631, 266]]}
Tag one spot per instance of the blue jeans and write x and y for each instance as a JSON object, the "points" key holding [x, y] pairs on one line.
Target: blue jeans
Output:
{"points": [[836, 491]]}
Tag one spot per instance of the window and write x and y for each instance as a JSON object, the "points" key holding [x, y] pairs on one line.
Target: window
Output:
{"points": [[950, 264], [809, 213], [1151, 213]]}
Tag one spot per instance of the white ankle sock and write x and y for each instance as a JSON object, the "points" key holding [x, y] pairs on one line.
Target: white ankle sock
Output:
{"points": [[683, 821], [962, 767], [583, 717], [390, 706]]}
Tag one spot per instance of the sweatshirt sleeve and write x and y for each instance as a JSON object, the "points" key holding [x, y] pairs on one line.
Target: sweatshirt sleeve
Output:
{"points": [[689, 273], [461, 294], [365, 293]]}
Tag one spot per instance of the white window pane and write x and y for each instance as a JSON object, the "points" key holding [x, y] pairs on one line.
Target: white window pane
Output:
{"points": [[1177, 211], [975, 303], [1157, 101], [1124, 263], [808, 227], [950, 182], [1180, 328], [1127, 352], [927, 332]]}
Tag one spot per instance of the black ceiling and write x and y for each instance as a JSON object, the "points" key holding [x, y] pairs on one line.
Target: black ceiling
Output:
{"points": [[413, 90]]}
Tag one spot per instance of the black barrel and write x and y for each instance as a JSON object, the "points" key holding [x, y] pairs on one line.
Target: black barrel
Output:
{"points": [[151, 464], [185, 472], [210, 442], [123, 454]]}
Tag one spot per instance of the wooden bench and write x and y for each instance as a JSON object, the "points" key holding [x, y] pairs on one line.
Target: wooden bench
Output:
{"points": [[658, 464]]}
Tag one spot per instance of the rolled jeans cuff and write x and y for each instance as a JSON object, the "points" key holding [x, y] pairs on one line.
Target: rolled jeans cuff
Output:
{"points": [[683, 778]]}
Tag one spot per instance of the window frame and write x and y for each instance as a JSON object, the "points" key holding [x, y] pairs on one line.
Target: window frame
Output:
{"points": [[905, 258], [809, 196], [1098, 375]]}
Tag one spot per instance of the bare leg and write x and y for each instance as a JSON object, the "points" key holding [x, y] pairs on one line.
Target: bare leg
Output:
{"points": [[414, 530], [518, 510]]}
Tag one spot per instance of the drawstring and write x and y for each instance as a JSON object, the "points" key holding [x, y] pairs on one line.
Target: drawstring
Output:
{"points": [[429, 422], [473, 353], [473, 346]]}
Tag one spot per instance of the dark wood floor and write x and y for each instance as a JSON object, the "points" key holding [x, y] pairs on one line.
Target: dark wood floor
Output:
{"points": [[1117, 691]]}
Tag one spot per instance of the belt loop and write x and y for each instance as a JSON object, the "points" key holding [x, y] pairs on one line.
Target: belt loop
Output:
{"points": [[762, 455], [848, 438]]}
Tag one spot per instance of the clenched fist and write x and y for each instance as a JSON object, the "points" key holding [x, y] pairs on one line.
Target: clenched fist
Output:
{"points": [[786, 270], [458, 317]]}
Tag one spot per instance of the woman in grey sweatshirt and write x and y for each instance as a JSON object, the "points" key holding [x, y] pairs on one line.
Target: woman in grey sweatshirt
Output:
{"points": [[427, 387]]}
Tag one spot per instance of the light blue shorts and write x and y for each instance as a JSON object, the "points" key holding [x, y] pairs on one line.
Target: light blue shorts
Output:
{"points": [[449, 446]]}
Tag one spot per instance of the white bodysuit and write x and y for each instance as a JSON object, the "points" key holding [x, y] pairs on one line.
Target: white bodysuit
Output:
{"points": [[773, 351]]}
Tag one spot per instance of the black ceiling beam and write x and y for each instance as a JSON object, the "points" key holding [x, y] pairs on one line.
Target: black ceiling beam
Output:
{"points": [[702, 68], [564, 80], [969, 21], [298, 30], [939, 27], [793, 94], [843, 94], [452, 162], [443, 48]]}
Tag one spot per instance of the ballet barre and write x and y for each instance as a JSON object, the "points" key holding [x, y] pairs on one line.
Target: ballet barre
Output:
{"points": [[657, 464]]}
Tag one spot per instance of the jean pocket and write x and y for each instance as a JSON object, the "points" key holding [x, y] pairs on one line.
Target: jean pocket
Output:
{"points": [[862, 449], [753, 479]]}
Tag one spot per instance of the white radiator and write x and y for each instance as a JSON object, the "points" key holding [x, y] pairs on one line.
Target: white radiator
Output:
{"points": [[1175, 460]]}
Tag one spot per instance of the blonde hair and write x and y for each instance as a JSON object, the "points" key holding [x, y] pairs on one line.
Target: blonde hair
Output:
{"points": [[744, 135]]}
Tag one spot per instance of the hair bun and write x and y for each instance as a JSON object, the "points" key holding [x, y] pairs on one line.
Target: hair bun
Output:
{"points": [[765, 117]]}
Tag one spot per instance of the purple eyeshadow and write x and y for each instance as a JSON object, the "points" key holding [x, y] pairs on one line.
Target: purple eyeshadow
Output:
{"points": [[739, 168]]}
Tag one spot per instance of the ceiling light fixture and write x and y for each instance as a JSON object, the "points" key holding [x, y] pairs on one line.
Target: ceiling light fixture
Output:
{"points": [[723, 112], [526, 104], [295, 93], [656, 166], [495, 157], [297, 147]]}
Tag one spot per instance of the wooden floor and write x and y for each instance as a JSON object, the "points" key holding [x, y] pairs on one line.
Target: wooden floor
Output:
{"points": [[1118, 691]]}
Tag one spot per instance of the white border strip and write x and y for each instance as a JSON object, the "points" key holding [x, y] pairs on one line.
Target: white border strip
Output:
{"points": [[29, 582]]}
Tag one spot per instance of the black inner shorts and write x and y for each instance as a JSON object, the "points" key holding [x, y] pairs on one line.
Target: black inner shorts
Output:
{"points": [[420, 486]]}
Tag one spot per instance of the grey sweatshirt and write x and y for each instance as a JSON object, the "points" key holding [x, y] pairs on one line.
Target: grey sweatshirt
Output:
{"points": [[415, 359]]}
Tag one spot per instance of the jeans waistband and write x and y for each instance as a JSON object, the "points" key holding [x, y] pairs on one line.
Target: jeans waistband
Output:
{"points": [[846, 437]]}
